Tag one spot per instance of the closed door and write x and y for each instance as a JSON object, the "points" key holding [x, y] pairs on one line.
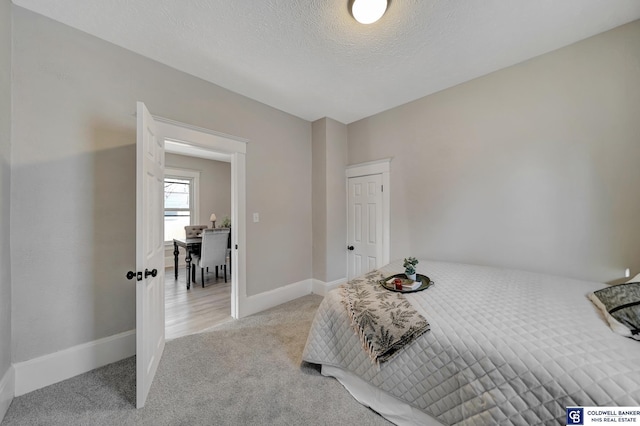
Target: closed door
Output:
{"points": [[364, 224]]}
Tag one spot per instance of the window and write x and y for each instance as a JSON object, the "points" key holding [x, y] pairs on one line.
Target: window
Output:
{"points": [[180, 202]]}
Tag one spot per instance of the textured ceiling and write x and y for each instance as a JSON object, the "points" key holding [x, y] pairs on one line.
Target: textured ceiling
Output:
{"points": [[311, 59]]}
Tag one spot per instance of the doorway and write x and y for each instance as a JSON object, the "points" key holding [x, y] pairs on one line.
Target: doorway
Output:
{"points": [[196, 186], [204, 143]]}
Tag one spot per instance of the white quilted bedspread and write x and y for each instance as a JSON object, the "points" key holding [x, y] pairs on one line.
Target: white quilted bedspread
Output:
{"points": [[505, 347]]}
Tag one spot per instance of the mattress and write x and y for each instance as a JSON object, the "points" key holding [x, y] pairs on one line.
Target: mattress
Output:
{"points": [[505, 347]]}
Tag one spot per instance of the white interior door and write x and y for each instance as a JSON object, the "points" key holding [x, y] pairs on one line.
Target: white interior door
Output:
{"points": [[149, 252], [364, 224]]}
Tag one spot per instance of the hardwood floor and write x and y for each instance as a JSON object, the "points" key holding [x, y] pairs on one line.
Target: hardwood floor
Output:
{"points": [[197, 309]]}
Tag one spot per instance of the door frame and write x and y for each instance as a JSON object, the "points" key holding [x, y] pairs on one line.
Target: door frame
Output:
{"points": [[381, 167], [236, 148]]}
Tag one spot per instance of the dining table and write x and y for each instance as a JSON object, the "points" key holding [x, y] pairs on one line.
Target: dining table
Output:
{"points": [[191, 246]]}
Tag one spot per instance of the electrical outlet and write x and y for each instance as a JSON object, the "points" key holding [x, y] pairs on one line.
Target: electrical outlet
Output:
{"points": [[256, 217], [627, 273]]}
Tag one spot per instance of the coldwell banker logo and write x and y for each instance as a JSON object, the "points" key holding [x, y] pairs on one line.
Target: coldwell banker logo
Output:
{"points": [[574, 416]]}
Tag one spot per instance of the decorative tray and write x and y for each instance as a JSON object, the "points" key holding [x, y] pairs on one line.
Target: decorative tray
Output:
{"points": [[389, 285]]}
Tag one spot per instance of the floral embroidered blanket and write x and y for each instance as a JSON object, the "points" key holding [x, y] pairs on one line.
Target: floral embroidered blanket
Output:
{"points": [[384, 320]]}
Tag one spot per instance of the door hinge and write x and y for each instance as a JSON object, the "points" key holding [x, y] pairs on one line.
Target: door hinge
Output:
{"points": [[381, 188]]}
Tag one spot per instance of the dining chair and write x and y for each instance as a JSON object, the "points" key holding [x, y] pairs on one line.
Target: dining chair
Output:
{"points": [[194, 231], [213, 252]]}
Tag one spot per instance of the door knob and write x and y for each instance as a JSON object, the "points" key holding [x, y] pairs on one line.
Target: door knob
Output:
{"points": [[153, 272], [132, 274], [350, 247]]}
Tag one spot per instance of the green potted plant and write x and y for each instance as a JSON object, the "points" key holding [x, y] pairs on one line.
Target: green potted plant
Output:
{"points": [[410, 267]]}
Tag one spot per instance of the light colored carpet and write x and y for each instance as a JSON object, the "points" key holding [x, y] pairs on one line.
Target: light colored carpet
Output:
{"points": [[245, 372]]}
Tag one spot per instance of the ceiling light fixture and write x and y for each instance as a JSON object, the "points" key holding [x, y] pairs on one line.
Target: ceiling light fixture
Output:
{"points": [[368, 11]]}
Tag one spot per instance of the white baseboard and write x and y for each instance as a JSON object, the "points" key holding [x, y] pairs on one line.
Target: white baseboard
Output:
{"points": [[169, 262], [53, 368], [259, 302], [322, 288], [7, 391], [27, 376]]}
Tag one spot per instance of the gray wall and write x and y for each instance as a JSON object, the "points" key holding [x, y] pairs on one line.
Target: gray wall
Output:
{"points": [[319, 198], [5, 187], [533, 167], [73, 174], [329, 199], [336, 203]]}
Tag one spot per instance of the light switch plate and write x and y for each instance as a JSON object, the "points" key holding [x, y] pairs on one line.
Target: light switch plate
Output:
{"points": [[256, 217]]}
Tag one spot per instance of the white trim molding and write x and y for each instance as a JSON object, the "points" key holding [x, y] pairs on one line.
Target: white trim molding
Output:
{"points": [[260, 302], [382, 167], [169, 259], [369, 168], [189, 129], [322, 288], [7, 391], [53, 368]]}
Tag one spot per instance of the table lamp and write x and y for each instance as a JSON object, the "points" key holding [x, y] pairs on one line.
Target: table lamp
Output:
{"points": [[213, 220]]}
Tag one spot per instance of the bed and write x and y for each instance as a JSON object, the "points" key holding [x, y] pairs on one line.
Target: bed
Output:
{"points": [[504, 347]]}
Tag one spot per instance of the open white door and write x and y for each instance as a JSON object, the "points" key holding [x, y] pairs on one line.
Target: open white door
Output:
{"points": [[149, 253]]}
